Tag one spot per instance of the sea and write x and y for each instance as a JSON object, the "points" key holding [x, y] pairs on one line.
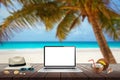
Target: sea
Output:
{"points": [[22, 45]]}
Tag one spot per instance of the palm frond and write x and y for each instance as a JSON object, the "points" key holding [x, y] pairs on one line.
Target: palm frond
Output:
{"points": [[75, 22], [6, 2], [111, 25], [18, 19], [64, 26], [50, 13], [68, 2], [107, 19], [25, 12], [23, 2], [27, 2]]}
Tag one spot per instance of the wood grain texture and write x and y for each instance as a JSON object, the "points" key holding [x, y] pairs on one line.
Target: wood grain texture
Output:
{"points": [[73, 76], [5, 76], [90, 74], [53, 76], [87, 74]]}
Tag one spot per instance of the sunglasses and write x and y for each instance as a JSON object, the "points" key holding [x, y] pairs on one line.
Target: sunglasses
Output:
{"points": [[27, 69]]}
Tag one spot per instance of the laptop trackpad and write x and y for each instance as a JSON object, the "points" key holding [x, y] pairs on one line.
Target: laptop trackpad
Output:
{"points": [[60, 70]]}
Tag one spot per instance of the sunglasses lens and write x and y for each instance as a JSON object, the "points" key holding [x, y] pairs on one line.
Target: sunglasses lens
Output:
{"points": [[23, 69], [31, 69], [26, 69]]}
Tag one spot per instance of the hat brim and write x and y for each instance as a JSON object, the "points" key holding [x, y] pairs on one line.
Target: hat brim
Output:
{"points": [[17, 67]]}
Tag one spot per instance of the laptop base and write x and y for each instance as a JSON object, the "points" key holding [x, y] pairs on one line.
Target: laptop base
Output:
{"points": [[60, 70]]}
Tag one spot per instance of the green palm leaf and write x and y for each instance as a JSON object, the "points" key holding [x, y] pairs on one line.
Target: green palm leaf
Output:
{"points": [[65, 25], [49, 13], [6, 2], [110, 22]]}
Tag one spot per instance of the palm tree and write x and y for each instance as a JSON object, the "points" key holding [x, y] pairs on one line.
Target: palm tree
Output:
{"points": [[67, 14], [101, 18]]}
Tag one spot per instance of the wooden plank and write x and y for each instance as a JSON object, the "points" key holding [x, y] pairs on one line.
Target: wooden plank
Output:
{"points": [[37, 66], [87, 74], [27, 73], [45, 75], [115, 75], [66, 76], [38, 75], [5, 76], [22, 76], [73, 76], [52, 76], [91, 75], [79, 76]]}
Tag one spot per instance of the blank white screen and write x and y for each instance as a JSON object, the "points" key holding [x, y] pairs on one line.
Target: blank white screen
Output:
{"points": [[59, 56]]}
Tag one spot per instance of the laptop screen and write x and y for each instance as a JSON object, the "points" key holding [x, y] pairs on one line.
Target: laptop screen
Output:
{"points": [[59, 56]]}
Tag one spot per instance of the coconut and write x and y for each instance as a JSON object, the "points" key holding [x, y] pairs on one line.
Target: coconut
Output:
{"points": [[104, 62]]}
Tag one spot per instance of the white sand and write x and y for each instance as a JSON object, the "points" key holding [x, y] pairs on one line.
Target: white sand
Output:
{"points": [[36, 55]]}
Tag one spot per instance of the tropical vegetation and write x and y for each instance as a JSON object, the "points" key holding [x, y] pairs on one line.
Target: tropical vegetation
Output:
{"points": [[66, 14]]}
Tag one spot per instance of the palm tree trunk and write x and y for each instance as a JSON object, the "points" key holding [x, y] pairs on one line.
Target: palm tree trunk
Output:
{"points": [[106, 52]]}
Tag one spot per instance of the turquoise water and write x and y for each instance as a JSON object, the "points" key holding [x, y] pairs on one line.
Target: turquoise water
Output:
{"points": [[21, 45]]}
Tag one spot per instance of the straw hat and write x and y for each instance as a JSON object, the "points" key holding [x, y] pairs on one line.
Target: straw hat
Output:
{"points": [[16, 61]]}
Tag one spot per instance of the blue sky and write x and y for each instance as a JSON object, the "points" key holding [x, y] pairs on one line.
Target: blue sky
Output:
{"points": [[83, 32]]}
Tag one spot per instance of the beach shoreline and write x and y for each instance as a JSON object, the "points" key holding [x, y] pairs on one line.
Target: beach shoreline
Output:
{"points": [[35, 55]]}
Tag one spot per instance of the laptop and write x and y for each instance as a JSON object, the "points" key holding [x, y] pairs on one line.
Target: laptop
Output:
{"points": [[59, 59]]}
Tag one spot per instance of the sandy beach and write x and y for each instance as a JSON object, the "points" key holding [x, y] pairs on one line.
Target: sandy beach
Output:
{"points": [[36, 55]]}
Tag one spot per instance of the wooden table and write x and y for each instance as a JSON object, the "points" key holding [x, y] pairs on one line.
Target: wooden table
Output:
{"points": [[87, 74]]}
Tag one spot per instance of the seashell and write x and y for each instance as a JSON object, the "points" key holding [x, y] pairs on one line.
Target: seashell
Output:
{"points": [[16, 72], [24, 73], [6, 72]]}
